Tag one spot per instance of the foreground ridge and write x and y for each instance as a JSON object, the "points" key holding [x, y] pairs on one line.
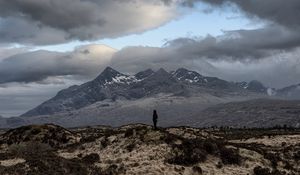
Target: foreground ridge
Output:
{"points": [[138, 149]]}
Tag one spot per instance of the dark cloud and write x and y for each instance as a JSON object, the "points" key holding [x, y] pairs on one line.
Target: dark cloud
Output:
{"points": [[134, 59], [285, 12], [279, 33], [87, 61], [26, 31], [239, 44], [55, 21], [274, 70], [40, 65]]}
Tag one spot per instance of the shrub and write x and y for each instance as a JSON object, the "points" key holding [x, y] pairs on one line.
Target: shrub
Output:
{"points": [[230, 156], [188, 153], [297, 155], [128, 133], [197, 169], [274, 158], [88, 139], [4, 156], [170, 138], [104, 142], [35, 131], [210, 147], [91, 158], [288, 166], [28, 149], [266, 171], [130, 147], [261, 171], [41, 160], [17, 169], [219, 165], [113, 170]]}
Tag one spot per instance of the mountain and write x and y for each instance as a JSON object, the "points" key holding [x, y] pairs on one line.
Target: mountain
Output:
{"points": [[290, 92], [254, 86], [195, 78], [108, 85], [2, 122], [144, 74], [112, 85], [189, 76]]}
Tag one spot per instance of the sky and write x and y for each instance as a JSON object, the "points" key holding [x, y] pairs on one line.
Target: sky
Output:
{"points": [[46, 46]]}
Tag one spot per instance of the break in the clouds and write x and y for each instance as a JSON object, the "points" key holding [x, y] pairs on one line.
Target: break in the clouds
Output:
{"points": [[40, 22]]}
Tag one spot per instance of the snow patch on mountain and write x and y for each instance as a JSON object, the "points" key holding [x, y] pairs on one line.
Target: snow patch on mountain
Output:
{"points": [[123, 79]]}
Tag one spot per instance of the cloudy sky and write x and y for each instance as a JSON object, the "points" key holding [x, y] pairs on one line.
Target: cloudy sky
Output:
{"points": [[48, 45]]}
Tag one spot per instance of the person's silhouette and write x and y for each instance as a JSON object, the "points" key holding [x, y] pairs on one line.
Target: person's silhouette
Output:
{"points": [[154, 119]]}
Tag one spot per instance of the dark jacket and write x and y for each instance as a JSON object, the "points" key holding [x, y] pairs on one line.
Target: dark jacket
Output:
{"points": [[155, 116]]}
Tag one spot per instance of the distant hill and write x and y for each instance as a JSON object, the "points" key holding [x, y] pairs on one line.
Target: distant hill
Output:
{"points": [[252, 113], [290, 92]]}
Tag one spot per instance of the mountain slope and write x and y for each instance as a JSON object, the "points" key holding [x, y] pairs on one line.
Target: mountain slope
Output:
{"points": [[290, 92], [108, 85], [251, 113]]}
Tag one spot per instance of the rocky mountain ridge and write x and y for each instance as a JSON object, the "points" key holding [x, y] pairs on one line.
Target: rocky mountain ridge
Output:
{"points": [[113, 85]]}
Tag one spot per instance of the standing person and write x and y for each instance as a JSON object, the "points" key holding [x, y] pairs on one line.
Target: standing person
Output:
{"points": [[154, 119]]}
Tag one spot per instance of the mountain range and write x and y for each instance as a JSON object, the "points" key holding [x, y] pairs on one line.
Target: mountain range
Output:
{"points": [[113, 85], [114, 98]]}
